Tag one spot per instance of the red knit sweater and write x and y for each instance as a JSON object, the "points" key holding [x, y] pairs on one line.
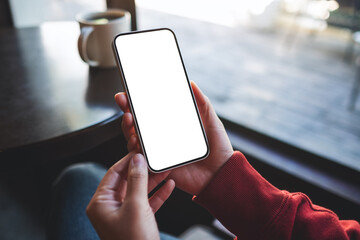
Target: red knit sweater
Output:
{"points": [[251, 208]]}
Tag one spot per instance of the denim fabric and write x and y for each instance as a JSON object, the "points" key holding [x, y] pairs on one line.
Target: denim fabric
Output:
{"points": [[72, 192]]}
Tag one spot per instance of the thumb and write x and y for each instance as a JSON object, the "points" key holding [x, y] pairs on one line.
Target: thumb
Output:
{"points": [[137, 179], [207, 112], [200, 97]]}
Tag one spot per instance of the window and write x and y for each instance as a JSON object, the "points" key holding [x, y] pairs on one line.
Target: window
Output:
{"points": [[272, 66], [32, 13]]}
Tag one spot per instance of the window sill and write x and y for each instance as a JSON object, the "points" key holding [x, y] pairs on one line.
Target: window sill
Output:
{"points": [[305, 166]]}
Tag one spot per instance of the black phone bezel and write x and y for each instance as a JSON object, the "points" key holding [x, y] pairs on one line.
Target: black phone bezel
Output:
{"points": [[117, 58]]}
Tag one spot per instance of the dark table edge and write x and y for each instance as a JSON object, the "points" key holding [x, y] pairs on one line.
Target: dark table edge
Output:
{"points": [[68, 144]]}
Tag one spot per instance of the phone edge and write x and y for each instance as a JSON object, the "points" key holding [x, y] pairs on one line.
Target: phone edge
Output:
{"points": [[118, 64]]}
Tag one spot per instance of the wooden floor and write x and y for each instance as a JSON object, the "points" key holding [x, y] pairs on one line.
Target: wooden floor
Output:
{"points": [[297, 92]]}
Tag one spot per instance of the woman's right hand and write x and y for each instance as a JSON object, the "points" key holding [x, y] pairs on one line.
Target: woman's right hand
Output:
{"points": [[192, 178]]}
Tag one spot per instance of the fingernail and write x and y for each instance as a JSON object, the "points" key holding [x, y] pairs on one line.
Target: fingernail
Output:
{"points": [[138, 161]]}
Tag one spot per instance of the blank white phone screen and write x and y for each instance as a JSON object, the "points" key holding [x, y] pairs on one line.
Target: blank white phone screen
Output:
{"points": [[165, 111]]}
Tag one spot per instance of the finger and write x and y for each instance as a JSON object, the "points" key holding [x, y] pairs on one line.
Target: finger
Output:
{"points": [[156, 178], [137, 179], [133, 144], [158, 199], [127, 125], [114, 176], [122, 101]]}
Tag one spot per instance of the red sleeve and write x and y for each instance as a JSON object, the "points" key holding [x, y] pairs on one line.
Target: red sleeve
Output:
{"points": [[251, 208]]}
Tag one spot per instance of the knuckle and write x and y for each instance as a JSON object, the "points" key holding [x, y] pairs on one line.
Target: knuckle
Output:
{"points": [[135, 174]]}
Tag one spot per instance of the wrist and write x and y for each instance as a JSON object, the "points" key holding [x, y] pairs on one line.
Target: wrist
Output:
{"points": [[213, 170]]}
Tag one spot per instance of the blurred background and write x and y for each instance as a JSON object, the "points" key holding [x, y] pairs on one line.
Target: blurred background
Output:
{"points": [[285, 70]]}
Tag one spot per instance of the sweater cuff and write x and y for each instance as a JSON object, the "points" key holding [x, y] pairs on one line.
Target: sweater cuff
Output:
{"points": [[241, 198]]}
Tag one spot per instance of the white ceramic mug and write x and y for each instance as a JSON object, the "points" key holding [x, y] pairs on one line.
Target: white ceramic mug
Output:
{"points": [[98, 30]]}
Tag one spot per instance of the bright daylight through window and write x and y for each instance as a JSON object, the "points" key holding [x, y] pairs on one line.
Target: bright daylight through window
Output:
{"points": [[284, 68]]}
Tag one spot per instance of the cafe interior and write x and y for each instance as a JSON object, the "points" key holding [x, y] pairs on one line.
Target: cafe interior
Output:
{"points": [[282, 75]]}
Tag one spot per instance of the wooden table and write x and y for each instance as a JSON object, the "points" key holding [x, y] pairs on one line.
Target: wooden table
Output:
{"points": [[52, 104]]}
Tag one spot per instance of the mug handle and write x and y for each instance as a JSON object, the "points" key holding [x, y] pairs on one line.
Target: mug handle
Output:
{"points": [[82, 45]]}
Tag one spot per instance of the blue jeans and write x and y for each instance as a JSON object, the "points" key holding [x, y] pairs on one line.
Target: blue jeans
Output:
{"points": [[72, 192]]}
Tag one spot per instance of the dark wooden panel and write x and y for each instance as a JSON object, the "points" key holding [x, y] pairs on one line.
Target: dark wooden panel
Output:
{"points": [[5, 14], [128, 5]]}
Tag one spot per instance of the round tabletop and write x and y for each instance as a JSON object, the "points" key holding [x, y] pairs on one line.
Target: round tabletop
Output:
{"points": [[48, 94]]}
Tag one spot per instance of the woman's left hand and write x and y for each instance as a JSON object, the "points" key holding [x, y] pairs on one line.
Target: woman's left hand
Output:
{"points": [[120, 208]]}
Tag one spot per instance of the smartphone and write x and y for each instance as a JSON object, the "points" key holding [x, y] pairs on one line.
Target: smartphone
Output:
{"points": [[166, 116]]}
